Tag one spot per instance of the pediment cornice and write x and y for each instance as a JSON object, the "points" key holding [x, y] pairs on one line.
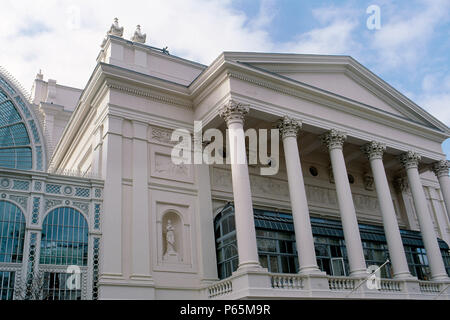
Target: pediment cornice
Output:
{"points": [[293, 63]]}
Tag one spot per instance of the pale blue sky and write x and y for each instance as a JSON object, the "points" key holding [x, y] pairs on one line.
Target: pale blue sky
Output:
{"points": [[420, 69], [410, 51]]}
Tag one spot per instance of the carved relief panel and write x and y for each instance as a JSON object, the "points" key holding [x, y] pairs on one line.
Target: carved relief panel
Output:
{"points": [[162, 166]]}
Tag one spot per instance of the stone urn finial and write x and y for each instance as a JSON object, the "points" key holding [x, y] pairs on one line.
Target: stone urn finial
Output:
{"points": [[138, 35], [115, 29]]}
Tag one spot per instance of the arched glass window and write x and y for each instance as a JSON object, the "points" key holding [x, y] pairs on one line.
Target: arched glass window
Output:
{"points": [[15, 145], [12, 232], [64, 238]]}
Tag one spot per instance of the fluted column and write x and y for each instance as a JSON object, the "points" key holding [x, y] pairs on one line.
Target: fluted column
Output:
{"points": [[440, 168], [233, 113], [410, 161], [374, 152], [335, 141], [300, 213]]}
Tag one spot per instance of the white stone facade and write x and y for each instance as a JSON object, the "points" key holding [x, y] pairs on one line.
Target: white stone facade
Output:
{"points": [[157, 237]]}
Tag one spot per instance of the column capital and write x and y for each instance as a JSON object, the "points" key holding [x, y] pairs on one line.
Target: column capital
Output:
{"points": [[410, 159], [440, 168], [233, 111], [374, 150], [289, 127], [334, 139]]}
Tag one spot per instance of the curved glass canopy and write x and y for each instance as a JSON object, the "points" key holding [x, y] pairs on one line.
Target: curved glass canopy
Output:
{"points": [[15, 145]]}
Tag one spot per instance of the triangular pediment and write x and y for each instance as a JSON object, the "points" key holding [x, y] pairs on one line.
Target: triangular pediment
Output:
{"points": [[342, 76]]}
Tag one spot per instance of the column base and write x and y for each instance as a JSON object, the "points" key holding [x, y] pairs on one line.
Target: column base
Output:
{"points": [[362, 273], [440, 278], [311, 270], [250, 266], [404, 276]]}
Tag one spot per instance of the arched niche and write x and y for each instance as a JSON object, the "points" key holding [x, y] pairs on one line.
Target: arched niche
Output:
{"points": [[172, 237]]}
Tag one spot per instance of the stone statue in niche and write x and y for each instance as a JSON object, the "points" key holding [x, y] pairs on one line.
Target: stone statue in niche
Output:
{"points": [[171, 252], [170, 237]]}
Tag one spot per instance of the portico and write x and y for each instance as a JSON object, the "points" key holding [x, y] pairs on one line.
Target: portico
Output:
{"points": [[372, 153], [310, 229]]}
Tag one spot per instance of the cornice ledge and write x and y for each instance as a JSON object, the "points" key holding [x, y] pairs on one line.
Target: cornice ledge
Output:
{"points": [[150, 95], [396, 95], [354, 105]]}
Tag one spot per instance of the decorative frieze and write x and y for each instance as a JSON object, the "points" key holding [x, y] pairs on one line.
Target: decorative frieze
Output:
{"points": [[50, 203], [97, 216], [410, 159], [5, 183], [164, 166], [289, 127], [37, 185], [441, 168], [162, 135], [38, 157], [368, 182], [34, 131], [234, 111], [401, 185], [374, 150], [21, 185], [151, 95], [82, 192], [334, 139], [35, 212], [95, 268], [67, 190], [53, 188], [83, 206], [31, 265], [22, 201]]}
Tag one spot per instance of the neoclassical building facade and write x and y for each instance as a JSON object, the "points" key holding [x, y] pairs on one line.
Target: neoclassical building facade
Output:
{"points": [[88, 179]]}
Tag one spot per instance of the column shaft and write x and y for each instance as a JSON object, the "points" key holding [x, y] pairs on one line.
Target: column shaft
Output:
{"points": [[375, 151], [410, 161], [357, 263], [300, 211], [441, 168], [233, 113]]}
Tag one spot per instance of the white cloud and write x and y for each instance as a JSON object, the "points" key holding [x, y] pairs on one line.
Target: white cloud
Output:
{"points": [[403, 38], [435, 96], [335, 36], [51, 35], [63, 37], [438, 105]]}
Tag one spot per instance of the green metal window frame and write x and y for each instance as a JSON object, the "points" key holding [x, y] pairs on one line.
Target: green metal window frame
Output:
{"points": [[329, 244], [15, 143]]}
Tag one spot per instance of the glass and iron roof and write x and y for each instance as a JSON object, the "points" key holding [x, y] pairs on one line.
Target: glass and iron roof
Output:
{"points": [[15, 144], [279, 221]]}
